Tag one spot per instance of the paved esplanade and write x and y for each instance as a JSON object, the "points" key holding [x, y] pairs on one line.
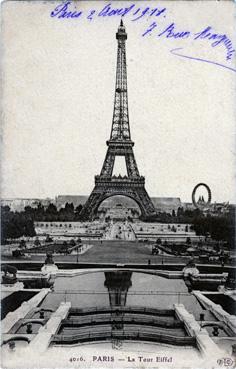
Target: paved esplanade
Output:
{"points": [[117, 252], [110, 251], [120, 230]]}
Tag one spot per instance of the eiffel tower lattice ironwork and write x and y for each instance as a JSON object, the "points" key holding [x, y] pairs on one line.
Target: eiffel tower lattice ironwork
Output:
{"points": [[119, 144]]}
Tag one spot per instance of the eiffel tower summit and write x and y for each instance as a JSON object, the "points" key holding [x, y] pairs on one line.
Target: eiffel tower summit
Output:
{"points": [[119, 144]]}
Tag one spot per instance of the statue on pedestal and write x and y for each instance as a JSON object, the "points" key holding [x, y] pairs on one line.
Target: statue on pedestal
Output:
{"points": [[49, 266], [190, 269]]}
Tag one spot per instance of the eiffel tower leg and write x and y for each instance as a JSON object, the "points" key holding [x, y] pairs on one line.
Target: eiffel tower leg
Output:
{"points": [[131, 165], [91, 205], [108, 164], [146, 203]]}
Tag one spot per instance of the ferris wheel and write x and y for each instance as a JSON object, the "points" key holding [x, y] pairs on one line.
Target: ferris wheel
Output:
{"points": [[202, 204]]}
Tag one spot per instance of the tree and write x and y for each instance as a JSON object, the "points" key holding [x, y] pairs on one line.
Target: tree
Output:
{"points": [[77, 212], [78, 208], [29, 229], [69, 207], [51, 213], [29, 211], [51, 209], [72, 242], [39, 213], [180, 212], [37, 242]]}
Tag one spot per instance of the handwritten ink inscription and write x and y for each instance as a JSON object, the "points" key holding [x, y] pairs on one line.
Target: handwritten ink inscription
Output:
{"points": [[208, 34], [159, 28], [68, 10]]}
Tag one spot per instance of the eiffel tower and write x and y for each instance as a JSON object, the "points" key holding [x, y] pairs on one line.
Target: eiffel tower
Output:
{"points": [[119, 144]]}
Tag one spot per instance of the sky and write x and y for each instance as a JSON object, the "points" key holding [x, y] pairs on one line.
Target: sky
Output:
{"points": [[58, 95]]}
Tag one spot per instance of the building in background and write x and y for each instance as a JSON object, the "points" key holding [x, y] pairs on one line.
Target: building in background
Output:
{"points": [[161, 204], [19, 204]]}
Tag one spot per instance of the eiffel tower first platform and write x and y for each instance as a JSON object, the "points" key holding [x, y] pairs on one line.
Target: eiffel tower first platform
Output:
{"points": [[119, 144]]}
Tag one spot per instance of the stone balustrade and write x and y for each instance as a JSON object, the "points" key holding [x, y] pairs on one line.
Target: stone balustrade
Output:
{"points": [[45, 333], [217, 310], [13, 317], [204, 342]]}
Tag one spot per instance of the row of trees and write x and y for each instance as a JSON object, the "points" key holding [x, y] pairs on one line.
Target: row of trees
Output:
{"points": [[180, 216], [15, 225], [219, 228], [18, 224], [52, 214]]}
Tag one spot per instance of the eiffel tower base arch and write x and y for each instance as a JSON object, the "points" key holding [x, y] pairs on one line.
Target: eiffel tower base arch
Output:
{"points": [[107, 187]]}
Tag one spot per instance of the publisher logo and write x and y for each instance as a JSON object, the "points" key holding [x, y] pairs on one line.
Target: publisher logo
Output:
{"points": [[225, 361]]}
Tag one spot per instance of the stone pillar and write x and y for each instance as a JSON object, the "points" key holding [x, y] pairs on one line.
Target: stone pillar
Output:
{"points": [[42, 340], [204, 342]]}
